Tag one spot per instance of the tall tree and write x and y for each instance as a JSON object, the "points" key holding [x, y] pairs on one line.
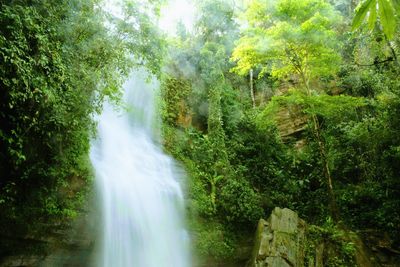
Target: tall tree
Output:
{"points": [[293, 39]]}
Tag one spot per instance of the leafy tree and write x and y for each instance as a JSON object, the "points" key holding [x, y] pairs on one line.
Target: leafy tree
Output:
{"points": [[288, 38]]}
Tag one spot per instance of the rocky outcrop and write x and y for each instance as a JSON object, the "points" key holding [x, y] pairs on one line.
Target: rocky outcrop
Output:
{"points": [[291, 122], [285, 240], [280, 240]]}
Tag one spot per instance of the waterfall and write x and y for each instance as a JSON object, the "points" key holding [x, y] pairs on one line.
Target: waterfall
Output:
{"points": [[139, 186]]}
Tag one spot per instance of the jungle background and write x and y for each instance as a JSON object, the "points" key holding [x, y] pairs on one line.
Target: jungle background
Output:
{"points": [[264, 103]]}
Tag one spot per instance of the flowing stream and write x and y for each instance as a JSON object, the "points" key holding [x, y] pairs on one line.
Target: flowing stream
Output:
{"points": [[139, 186]]}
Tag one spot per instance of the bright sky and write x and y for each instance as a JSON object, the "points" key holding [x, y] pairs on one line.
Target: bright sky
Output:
{"points": [[175, 11]]}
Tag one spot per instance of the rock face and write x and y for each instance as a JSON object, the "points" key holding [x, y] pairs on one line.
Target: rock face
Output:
{"points": [[69, 246], [280, 240], [285, 240], [291, 122]]}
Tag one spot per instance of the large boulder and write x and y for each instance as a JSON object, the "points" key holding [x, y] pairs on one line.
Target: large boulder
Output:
{"points": [[280, 240]]}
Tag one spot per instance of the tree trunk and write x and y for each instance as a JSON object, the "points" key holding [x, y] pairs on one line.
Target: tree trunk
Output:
{"points": [[327, 172], [324, 157]]}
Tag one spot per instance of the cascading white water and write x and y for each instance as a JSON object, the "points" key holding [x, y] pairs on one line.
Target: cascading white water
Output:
{"points": [[142, 200]]}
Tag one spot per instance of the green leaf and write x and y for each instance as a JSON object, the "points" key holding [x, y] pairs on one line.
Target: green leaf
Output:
{"points": [[386, 11], [372, 18], [386, 15], [396, 5], [362, 11]]}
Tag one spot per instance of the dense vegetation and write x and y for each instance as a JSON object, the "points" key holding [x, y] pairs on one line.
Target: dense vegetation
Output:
{"points": [[226, 86], [58, 62]]}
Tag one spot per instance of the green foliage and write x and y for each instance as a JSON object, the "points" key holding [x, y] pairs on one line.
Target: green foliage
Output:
{"points": [[199, 80], [58, 62], [289, 37], [337, 248], [370, 9], [331, 111], [174, 100], [239, 168], [326, 106], [245, 207], [372, 193], [213, 241], [43, 98], [138, 34]]}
